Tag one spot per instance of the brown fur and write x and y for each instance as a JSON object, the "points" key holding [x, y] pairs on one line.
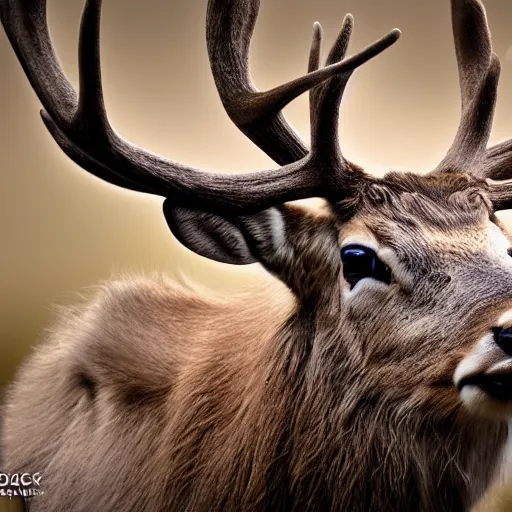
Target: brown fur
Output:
{"points": [[154, 396]]}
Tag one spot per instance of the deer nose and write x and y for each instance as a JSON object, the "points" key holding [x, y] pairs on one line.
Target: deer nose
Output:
{"points": [[503, 338]]}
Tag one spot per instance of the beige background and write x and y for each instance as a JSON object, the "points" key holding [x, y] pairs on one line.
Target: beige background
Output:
{"points": [[63, 230]]}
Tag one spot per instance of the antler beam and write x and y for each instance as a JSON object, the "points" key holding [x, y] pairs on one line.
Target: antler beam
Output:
{"points": [[80, 125]]}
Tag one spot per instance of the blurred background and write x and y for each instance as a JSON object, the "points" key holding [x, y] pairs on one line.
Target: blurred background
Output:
{"points": [[63, 230]]}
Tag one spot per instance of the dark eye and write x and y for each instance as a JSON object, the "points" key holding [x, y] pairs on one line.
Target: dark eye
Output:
{"points": [[360, 262], [510, 252]]}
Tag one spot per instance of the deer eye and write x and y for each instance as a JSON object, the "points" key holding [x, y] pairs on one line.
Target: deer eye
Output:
{"points": [[360, 262]]}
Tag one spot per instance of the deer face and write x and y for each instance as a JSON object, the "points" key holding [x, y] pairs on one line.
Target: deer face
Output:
{"points": [[427, 290]]}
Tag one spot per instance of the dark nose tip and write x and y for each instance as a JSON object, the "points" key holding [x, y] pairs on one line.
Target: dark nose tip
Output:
{"points": [[503, 338]]}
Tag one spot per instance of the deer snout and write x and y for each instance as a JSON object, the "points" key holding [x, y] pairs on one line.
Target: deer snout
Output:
{"points": [[484, 377]]}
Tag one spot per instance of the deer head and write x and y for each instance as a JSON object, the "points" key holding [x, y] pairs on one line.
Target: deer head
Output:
{"points": [[403, 283]]}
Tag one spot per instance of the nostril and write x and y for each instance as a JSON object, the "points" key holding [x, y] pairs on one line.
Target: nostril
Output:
{"points": [[503, 338]]}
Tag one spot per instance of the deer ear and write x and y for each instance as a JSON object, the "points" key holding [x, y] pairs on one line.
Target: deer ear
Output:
{"points": [[275, 237], [240, 240], [208, 235]]}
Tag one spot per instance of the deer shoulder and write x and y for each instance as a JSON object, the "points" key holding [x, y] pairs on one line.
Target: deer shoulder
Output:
{"points": [[133, 342]]}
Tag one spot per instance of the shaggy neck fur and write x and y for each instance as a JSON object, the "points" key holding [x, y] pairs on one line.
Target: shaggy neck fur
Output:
{"points": [[354, 449], [313, 436], [277, 414]]}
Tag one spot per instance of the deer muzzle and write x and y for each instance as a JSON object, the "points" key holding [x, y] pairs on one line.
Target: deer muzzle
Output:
{"points": [[484, 377]]}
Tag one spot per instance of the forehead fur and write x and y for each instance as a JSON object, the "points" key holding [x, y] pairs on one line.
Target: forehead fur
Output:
{"points": [[439, 201]]}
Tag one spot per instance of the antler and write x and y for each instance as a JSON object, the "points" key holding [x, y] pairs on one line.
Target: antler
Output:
{"points": [[325, 101], [479, 71], [81, 128], [498, 161], [229, 28]]}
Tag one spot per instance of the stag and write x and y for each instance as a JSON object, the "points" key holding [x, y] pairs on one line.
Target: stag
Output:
{"points": [[372, 374]]}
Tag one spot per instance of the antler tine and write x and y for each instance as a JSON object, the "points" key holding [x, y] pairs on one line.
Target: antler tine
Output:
{"points": [[315, 50], [500, 194], [26, 27], [498, 161], [325, 101], [229, 28], [81, 128], [337, 53], [479, 70], [230, 25], [497, 171]]}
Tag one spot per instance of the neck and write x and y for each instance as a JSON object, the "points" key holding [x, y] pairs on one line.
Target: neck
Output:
{"points": [[356, 450], [396, 467], [306, 433]]}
